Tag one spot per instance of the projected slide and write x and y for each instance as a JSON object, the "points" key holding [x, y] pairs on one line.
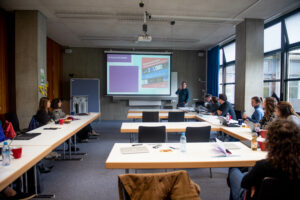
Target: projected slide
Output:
{"points": [[131, 74]]}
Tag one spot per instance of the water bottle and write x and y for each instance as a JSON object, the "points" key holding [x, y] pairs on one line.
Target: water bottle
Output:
{"points": [[227, 118], [5, 154], [182, 142]]}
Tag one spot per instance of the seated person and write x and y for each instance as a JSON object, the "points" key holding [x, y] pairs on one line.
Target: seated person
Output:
{"points": [[225, 107], [207, 101], [43, 115], [284, 110], [269, 116], [282, 162], [258, 111], [214, 104], [56, 109]]}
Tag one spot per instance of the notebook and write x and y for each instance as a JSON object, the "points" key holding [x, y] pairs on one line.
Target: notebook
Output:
{"points": [[134, 150], [26, 136]]}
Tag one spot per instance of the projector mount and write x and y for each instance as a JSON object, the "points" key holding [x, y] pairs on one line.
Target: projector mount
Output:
{"points": [[145, 37]]}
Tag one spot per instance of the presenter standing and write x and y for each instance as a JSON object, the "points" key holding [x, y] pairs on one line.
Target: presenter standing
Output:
{"points": [[183, 95]]}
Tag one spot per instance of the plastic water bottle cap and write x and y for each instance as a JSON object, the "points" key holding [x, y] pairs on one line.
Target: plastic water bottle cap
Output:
{"points": [[5, 143], [182, 133]]}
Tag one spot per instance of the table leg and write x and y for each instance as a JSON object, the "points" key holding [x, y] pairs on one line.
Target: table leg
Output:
{"points": [[26, 182], [22, 183], [77, 153], [70, 154], [40, 196], [131, 137]]}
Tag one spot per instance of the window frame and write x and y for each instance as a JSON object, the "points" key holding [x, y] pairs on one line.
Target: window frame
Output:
{"points": [[284, 51], [223, 66]]}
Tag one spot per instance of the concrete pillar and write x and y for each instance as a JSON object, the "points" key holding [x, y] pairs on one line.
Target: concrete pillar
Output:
{"points": [[30, 62], [249, 63]]}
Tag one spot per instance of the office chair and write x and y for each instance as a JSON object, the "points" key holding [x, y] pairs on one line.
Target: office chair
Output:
{"points": [[170, 184], [152, 134], [198, 134], [150, 117], [176, 117]]}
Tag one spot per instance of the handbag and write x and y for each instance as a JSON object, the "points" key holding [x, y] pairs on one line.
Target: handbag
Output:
{"points": [[8, 129]]}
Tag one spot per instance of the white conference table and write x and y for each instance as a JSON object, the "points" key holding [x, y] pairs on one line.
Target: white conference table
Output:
{"points": [[163, 115], [133, 127], [153, 110], [38, 147], [30, 156], [198, 155], [241, 133], [58, 136]]}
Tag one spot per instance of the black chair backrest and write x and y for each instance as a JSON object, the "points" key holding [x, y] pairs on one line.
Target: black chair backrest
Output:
{"points": [[150, 117], [270, 189], [124, 192], [176, 117], [198, 134], [13, 118], [238, 114], [152, 134]]}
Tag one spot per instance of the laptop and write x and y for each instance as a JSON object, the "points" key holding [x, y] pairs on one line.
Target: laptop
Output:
{"points": [[251, 125], [224, 122]]}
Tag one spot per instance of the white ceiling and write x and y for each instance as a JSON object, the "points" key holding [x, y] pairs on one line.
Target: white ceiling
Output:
{"points": [[200, 24]]}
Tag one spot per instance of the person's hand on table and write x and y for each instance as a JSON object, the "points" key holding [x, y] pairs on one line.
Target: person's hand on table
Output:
{"points": [[244, 116]]}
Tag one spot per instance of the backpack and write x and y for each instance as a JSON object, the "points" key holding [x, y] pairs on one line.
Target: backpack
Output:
{"points": [[2, 136], [8, 129], [33, 124]]}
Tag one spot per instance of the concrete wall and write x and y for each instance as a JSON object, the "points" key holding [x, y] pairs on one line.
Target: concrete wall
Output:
{"points": [[30, 58], [90, 63], [249, 63]]}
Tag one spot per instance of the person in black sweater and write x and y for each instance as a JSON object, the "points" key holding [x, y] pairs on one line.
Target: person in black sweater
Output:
{"points": [[43, 115], [225, 107], [214, 105], [282, 162]]}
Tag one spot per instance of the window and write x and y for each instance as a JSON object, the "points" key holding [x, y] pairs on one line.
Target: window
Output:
{"points": [[294, 64], [227, 71], [221, 80], [272, 75], [293, 80], [229, 52], [230, 74], [272, 38], [293, 28], [221, 57]]}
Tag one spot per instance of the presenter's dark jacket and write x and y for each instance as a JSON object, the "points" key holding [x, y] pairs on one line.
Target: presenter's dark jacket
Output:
{"points": [[183, 96], [43, 117], [226, 108]]}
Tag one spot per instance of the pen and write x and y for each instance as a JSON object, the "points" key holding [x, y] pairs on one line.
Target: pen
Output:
{"points": [[227, 151], [136, 144]]}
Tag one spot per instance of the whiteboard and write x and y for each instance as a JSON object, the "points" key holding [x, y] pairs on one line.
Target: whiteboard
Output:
{"points": [[86, 87]]}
